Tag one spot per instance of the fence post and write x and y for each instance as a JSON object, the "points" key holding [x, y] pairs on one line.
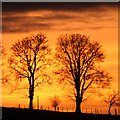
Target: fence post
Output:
{"points": [[91, 110], [62, 109], [95, 110], [115, 111], [19, 106], [38, 102], [41, 108], [101, 111]]}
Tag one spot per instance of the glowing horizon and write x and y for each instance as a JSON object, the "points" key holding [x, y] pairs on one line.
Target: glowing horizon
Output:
{"points": [[99, 21]]}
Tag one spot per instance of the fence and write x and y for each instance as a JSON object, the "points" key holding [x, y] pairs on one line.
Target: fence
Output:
{"points": [[69, 109]]}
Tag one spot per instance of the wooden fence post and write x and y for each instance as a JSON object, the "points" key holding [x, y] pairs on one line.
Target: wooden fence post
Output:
{"points": [[115, 111], [62, 109], [38, 102]]}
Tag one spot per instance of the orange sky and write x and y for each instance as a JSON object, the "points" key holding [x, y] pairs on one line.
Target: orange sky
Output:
{"points": [[99, 21]]}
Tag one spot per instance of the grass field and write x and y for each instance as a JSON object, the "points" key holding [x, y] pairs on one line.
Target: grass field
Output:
{"points": [[16, 113]]}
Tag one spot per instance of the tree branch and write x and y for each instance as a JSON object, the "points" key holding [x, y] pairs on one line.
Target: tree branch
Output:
{"points": [[19, 72]]}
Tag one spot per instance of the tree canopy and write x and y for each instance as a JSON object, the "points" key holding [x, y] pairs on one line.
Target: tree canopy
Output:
{"points": [[28, 60], [78, 59]]}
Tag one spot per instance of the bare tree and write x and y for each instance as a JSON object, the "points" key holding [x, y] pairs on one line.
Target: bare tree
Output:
{"points": [[28, 60], [112, 99], [77, 65], [55, 101]]}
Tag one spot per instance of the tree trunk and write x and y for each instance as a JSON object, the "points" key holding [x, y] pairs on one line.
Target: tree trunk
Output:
{"points": [[55, 108], [78, 99], [31, 102], [109, 110], [78, 105], [31, 97], [31, 92], [78, 102]]}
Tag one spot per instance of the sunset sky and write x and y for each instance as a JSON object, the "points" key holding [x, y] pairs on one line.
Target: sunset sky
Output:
{"points": [[97, 20]]}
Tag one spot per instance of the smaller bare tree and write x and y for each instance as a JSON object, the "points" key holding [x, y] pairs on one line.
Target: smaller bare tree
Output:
{"points": [[55, 101], [112, 99]]}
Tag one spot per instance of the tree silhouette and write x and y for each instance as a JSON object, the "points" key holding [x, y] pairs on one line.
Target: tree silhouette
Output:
{"points": [[28, 60], [77, 61], [112, 99], [55, 101]]}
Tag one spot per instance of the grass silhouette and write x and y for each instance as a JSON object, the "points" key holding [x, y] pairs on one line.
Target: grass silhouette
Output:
{"points": [[18, 113]]}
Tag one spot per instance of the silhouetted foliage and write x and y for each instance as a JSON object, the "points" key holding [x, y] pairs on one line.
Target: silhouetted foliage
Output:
{"points": [[4, 67], [28, 60], [55, 101], [77, 65], [111, 99]]}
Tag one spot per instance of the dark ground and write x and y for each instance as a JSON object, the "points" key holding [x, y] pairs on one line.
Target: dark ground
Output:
{"points": [[16, 113]]}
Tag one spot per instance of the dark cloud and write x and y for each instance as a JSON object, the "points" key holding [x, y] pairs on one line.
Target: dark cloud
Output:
{"points": [[36, 18], [84, 28], [95, 28], [32, 23], [25, 27], [29, 23], [61, 6], [13, 23], [78, 28]]}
